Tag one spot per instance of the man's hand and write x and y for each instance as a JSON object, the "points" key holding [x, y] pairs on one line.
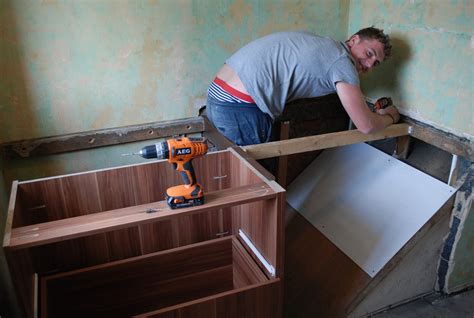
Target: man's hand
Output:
{"points": [[392, 111], [363, 118]]}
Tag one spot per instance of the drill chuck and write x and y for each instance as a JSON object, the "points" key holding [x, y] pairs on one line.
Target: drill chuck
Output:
{"points": [[159, 150]]}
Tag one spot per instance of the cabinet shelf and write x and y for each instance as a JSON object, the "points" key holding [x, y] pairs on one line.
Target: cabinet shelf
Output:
{"points": [[80, 226]]}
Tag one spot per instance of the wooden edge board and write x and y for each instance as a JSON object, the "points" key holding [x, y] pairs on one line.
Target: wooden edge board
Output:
{"points": [[446, 141], [101, 138], [36, 306], [208, 298], [10, 212], [251, 163], [318, 142], [55, 231]]}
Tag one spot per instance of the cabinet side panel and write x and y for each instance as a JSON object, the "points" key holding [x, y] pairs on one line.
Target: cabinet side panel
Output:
{"points": [[41, 201], [260, 221], [22, 274]]}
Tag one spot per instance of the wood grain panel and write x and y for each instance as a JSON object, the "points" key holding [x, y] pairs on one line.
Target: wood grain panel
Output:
{"points": [[22, 274], [199, 227], [213, 171], [70, 254], [127, 287], [13, 206], [150, 181], [246, 272], [50, 232], [261, 220], [321, 281], [258, 301], [116, 188], [258, 221], [158, 236], [81, 194], [41, 202], [330, 140], [123, 243]]}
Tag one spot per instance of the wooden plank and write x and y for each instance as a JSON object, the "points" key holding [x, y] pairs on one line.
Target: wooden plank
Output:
{"points": [[100, 138], [248, 167], [446, 141], [283, 160], [152, 281], [10, 213], [311, 143], [254, 301], [45, 233]]}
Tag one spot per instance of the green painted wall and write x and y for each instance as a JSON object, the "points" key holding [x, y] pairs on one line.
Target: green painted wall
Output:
{"points": [[431, 74], [71, 66], [74, 66], [430, 78], [78, 65]]}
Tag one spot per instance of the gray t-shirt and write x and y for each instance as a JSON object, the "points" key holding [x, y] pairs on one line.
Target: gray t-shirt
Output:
{"points": [[286, 66]]}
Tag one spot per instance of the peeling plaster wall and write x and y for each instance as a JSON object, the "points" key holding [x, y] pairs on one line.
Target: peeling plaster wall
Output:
{"points": [[71, 66], [431, 74]]}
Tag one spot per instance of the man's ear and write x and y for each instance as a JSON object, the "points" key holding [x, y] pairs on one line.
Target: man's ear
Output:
{"points": [[353, 40]]}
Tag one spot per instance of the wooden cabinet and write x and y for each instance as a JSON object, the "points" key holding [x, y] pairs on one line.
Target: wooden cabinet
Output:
{"points": [[104, 243]]}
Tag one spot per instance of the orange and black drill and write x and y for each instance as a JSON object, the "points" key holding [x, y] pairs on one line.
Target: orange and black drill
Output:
{"points": [[180, 152]]}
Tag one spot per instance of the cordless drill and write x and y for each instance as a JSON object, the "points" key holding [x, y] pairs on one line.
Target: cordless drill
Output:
{"points": [[180, 152]]}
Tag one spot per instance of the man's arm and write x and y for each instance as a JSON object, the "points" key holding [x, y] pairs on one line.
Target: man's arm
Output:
{"points": [[365, 120]]}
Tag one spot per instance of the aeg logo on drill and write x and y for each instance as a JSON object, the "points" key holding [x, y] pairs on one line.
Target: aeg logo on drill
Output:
{"points": [[183, 151]]}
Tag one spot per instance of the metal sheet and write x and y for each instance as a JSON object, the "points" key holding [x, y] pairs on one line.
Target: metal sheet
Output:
{"points": [[366, 202]]}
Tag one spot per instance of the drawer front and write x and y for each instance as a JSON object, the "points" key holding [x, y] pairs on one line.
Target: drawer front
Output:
{"points": [[262, 301]]}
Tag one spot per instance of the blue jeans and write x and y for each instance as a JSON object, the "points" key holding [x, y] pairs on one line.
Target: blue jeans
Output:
{"points": [[243, 124]]}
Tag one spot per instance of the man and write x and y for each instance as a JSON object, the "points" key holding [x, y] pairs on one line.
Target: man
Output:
{"points": [[254, 85]]}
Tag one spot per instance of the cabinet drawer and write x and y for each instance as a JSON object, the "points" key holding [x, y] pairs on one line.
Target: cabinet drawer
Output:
{"points": [[212, 273]]}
